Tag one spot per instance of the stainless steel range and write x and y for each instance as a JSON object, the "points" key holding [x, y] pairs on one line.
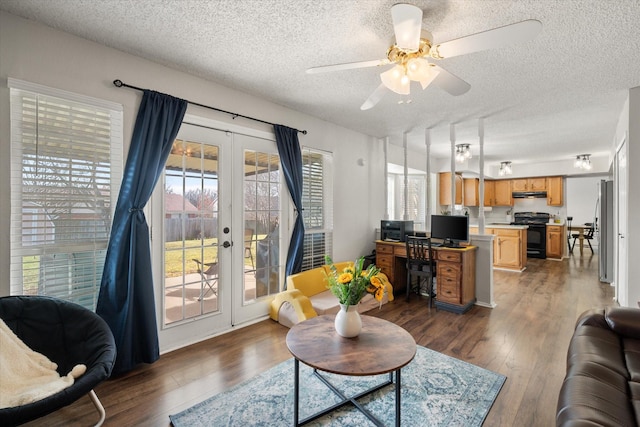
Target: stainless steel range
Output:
{"points": [[536, 233]]}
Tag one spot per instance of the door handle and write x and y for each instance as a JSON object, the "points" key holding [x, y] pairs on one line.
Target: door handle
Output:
{"points": [[226, 244]]}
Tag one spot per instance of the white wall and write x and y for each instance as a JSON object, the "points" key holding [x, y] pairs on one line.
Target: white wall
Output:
{"points": [[629, 128], [39, 54], [581, 204], [633, 227]]}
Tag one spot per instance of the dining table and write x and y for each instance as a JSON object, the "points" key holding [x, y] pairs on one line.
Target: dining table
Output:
{"points": [[581, 229]]}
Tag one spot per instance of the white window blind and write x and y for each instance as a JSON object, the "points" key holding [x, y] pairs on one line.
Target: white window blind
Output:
{"points": [[416, 203], [317, 202], [66, 166]]}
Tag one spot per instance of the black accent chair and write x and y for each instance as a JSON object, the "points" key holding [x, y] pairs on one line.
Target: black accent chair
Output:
{"points": [[68, 334], [420, 265]]}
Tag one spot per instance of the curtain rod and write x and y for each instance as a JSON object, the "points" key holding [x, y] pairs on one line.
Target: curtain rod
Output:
{"points": [[120, 83]]}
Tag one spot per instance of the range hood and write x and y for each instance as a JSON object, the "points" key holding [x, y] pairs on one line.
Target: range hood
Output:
{"points": [[529, 195]]}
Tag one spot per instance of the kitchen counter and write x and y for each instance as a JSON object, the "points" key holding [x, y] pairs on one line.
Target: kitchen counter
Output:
{"points": [[501, 225], [509, 245]]}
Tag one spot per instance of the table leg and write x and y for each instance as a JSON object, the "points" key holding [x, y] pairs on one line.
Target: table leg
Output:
{"points": [[581, 241], [398, 394], [296, 390]]}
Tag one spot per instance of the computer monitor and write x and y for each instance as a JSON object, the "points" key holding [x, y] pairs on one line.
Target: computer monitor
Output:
{"points": [[453, 229]]}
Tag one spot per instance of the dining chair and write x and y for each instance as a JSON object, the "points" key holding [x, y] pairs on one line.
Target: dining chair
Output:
{"points": [[569, 235], [420, 265], [588, 235]]}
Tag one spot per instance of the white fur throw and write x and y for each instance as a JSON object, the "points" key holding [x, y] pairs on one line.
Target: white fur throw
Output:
{"points": [[25, 375]]}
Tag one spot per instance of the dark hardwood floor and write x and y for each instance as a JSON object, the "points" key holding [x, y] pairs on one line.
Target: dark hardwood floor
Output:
{"points": [[525, 337]]}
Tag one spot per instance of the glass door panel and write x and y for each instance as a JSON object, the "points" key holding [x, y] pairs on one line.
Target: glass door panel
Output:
{"points": [[259, 222], [190, 231]]}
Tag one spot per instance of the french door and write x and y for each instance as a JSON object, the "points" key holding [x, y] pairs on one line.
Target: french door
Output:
{"points": [[216, 232]]}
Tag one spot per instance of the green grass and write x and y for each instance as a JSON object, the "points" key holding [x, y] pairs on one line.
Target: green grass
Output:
{"points": [[173, 255]]}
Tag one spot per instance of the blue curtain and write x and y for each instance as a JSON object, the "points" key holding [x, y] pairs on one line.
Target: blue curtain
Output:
{"points": [[126, 299], [291, 160]]}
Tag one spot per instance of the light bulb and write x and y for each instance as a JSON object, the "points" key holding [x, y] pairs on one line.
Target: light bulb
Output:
{"points": [[393, 80]]}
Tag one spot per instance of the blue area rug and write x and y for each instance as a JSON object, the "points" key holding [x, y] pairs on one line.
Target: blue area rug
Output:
{"points": [[437, 390]]}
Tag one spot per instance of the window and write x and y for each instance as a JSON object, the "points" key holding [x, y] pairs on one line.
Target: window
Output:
{"points": [[317, 203], [416, 201], [66, 166]]}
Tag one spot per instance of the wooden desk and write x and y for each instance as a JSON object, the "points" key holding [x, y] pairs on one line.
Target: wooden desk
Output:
{"points": [[580, 229], [382, 347], [455, 273]]}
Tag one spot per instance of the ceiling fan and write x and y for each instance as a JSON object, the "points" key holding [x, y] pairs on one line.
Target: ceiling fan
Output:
{"points": [[413, 52]]}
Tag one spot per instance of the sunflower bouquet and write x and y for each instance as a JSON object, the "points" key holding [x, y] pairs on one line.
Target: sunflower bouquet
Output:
{"points": [[353, 283]]}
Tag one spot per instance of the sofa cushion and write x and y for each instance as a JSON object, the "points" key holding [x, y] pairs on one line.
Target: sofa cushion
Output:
{"points": [[601, 386], [624, 321], [309, 282], [325, 303]]}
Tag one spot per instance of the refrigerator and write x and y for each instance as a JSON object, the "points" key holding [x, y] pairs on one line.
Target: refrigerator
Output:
{"points": [[604, 216]]}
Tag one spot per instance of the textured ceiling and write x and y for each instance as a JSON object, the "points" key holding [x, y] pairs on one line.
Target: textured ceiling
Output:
{"points": [[547, 99]]}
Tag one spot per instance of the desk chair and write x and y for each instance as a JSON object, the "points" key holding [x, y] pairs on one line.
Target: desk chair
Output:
{"points": [[569, 235], [248, 240], [209, 273], [420, 265]]}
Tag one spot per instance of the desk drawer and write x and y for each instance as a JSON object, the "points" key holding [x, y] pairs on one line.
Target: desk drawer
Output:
{"points": [[449, 256], [384, 261], [384, 249], [448, 290], [448, 269]]}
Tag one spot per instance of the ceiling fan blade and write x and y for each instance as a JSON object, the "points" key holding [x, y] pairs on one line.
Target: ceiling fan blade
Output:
{"points": [[374, 98], [450, 83], [407, 23], [490, 39], [348, 66]]}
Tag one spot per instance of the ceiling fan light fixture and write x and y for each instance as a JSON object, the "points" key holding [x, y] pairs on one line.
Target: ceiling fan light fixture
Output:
{"points": [[505, 169], [463, 152], [583, 161], [407, 21], [396, 80]]}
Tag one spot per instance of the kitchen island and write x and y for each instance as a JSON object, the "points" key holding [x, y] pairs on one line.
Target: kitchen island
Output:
{"points": [[509, 245]]}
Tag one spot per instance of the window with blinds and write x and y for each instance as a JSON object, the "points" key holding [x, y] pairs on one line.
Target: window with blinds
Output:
{"points": [[317, 203], [66, 166], [415, 204]]}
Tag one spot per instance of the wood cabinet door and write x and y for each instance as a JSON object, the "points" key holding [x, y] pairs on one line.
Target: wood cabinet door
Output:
{"points": [[503, 193], [507, 251], [519, 184], [537, 184], [489, 193], [444, 186], [555, 241], [555, 191], [470, 190]]}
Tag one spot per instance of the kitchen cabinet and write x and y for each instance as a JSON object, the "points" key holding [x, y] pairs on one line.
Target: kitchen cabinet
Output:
{"points": [[555, 191], [555, 241], [529, 184], [509, 248], [489, 193], [502, 188], [444, 184], [470, 191]]}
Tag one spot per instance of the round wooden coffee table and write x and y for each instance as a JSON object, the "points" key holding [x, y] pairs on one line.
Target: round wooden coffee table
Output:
{"points": [[382, 347]]}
